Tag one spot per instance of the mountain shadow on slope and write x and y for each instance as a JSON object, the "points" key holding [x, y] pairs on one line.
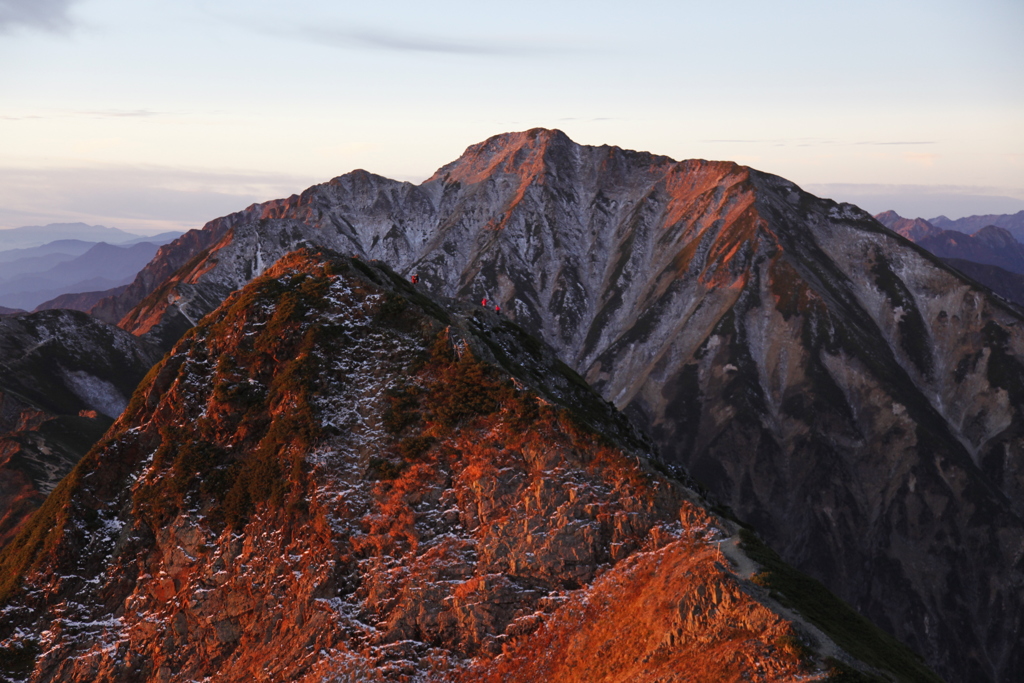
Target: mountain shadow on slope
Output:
{"points": [[64, 377]]}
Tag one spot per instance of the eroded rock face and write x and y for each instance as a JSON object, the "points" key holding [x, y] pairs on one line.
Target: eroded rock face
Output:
{"points": [[64, 376], [846, 393], [324, 481]]}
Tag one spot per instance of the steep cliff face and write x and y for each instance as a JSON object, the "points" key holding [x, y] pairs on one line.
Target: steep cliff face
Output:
{"points": [[336, 478], [64, 376], [844, 391]]}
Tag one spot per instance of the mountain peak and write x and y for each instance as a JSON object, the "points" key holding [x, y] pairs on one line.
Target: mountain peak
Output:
{"points": [[809, 366], [520, 152], [997, 238], [887, 218], [531, 154], [333, 457], [914, 229]]}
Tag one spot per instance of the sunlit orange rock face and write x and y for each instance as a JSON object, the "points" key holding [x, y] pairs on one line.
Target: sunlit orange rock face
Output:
{"points": [[675, 614], [334, 478]]}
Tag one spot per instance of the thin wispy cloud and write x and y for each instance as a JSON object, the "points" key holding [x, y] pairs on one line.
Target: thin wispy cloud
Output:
{"points": [[378, 39], [811, 142], [47, 15], [120, 113], [88, 114], [900, 142]]}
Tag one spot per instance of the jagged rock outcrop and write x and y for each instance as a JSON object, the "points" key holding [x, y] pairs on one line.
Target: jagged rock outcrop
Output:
{"points": [[335, 478], [64, 376], [845, 392]]}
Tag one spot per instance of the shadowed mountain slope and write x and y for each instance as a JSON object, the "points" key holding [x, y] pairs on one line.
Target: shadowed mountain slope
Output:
{"points": [[80, 301], [1008, 285], [334, 477], [64, 376], [844, 391]]}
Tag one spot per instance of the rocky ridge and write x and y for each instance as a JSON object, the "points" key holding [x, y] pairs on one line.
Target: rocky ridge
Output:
{"points": [[336, 478], [80, 301], [845, 392]]}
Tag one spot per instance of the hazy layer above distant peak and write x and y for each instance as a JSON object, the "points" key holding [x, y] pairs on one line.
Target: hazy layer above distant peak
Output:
{"points": [[913, 201]]}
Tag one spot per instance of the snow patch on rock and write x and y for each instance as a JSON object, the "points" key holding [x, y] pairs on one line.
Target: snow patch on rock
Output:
{"points": [[98, 393]]}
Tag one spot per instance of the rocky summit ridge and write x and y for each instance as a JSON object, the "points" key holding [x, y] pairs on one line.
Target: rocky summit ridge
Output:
{"points": [[844, 391], [336, 477]]}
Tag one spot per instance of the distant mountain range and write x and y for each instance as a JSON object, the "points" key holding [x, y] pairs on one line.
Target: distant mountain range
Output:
{"points": [[1013, 222], [64, 249], [37, 235], [991, 254], [32, 276], [80, 301], [103, 267]]}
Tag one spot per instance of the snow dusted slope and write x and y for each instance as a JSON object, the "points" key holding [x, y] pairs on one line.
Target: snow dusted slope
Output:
{"points": [[333, 479], [843, 391]]}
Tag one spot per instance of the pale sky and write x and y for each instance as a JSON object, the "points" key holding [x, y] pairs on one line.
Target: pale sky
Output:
{"points": [[150, 115]]}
